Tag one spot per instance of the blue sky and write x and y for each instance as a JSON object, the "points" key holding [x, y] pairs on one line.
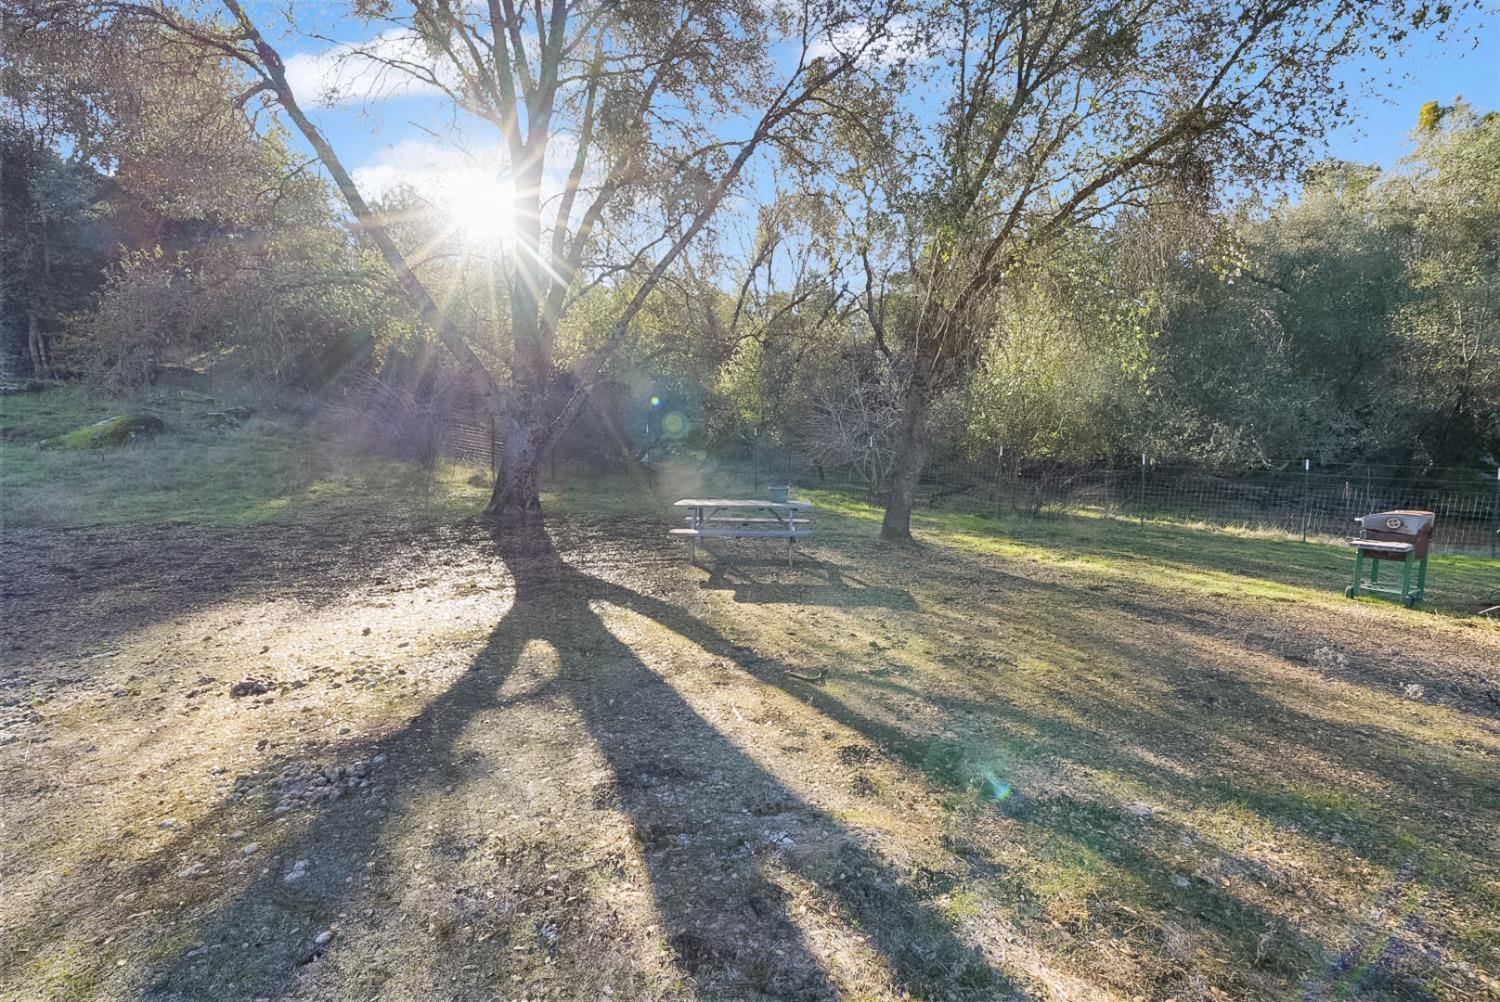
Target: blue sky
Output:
{"points": [[1429, 71], [403, 136]]}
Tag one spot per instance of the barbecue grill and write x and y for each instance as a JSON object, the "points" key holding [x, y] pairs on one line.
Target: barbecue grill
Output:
{"points": [[1403, 536]]}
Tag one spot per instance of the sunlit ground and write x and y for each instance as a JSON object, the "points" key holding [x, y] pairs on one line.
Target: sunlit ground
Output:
{"points": [[1053, 759]]}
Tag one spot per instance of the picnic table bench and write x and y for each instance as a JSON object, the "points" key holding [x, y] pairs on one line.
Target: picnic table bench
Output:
{"points": [[740, 518]]}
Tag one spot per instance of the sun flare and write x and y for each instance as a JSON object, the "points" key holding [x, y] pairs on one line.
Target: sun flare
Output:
{"points": [[478, 208]]}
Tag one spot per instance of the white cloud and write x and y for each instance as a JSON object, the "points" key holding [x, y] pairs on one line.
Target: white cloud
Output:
{"points": [[900, 41], [432, 169], [361, 71]]}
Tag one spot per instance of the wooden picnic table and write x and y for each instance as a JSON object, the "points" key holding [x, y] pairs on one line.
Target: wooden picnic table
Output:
{"points": [[743, 518]]}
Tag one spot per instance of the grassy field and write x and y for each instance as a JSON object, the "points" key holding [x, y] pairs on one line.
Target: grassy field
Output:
{"points": [[274, 469], [281, 724], [1210, 562]]}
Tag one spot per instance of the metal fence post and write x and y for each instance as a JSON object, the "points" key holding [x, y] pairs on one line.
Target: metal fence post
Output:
{"points": [[1306, 475], [1000, 482], [1495, 538], [1143, 489]]}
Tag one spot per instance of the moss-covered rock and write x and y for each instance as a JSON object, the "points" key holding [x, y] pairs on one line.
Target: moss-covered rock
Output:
{"points": [[110, 432]]}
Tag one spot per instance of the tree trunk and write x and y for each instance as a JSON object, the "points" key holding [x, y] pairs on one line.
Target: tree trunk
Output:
{"points": [[517, 484], [527, 415], [37, 348], [911, 452]]}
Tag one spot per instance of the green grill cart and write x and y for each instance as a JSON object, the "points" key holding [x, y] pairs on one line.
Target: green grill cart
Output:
{"points": [[1401, 537]]}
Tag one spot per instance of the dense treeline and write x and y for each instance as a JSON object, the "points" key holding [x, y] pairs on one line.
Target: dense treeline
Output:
{"points": [[149, 222], [1358, 319], [153, 219], [1355, 319]]}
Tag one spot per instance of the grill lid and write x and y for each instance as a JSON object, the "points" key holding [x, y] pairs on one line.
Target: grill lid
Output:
{"points": [[1405, 522]]}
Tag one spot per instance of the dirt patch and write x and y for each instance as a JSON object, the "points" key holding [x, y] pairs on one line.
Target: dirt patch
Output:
{"points": [[563, 764]]}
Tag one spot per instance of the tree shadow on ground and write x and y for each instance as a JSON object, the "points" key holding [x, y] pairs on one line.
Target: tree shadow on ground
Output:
{"points": [[1239, 927], [1385, 659], [1153, 690], [1342, 784], [838, 588], [1472, 689], [1428, 839], [719, 833], [721, 837]]}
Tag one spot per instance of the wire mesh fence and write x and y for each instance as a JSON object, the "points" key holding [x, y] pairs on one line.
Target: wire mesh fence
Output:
{"points": [[1299, 498], [473, 440]]}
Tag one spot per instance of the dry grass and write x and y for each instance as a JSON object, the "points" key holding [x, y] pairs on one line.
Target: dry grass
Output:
{"points": [[1044, 764]]}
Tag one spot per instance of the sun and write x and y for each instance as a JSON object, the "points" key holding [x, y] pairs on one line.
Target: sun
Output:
{"points": [[478, 208]]}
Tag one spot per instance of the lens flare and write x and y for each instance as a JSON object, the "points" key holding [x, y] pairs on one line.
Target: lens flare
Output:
{"points": [[998, 788]]}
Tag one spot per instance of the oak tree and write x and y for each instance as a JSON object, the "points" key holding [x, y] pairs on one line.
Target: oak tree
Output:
{"points": [[1010, 122], [624, 128]]}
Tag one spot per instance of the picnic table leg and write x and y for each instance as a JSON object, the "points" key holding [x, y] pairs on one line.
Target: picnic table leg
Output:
{"points": [[783, 521]]}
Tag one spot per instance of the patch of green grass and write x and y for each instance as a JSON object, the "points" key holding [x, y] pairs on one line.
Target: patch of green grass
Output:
{"points": [[70, 972], [30, 417], [269, 470], [962, 905], [625, 494], [1481, 936], [1071, 873], [1216, 563]]}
